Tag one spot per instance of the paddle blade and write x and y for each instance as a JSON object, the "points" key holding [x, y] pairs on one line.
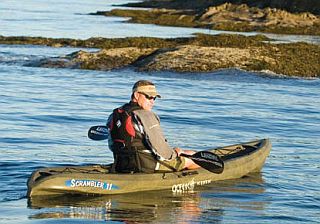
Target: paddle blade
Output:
{"points": [[207, 160], [99, 132]]}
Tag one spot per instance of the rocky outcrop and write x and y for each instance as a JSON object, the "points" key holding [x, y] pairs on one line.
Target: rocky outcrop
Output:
{"points": [[288, 59], [191, 58], [293, 6], [229, 17], [105, 59], [257, 17], [202, 53]]}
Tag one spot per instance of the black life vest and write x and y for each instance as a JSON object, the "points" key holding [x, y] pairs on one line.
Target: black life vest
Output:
{"points": [[121, 127], [128, 146]]}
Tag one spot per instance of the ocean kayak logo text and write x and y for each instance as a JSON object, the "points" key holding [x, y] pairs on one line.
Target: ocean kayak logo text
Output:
{"points": [[189, 186], [91, 183]]}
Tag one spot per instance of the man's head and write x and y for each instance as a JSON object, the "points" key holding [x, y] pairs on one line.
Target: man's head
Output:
{"points": [[144, 93]]}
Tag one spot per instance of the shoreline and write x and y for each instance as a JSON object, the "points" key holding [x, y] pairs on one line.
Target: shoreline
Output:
{"points": [[202, 53]]}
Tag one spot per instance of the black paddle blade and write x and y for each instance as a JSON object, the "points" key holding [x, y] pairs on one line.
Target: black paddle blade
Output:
{"points": [[99, 132], [207, 160]]}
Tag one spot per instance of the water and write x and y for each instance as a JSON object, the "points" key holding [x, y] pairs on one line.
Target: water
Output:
{"points": [[45, 114], [70, 19]]}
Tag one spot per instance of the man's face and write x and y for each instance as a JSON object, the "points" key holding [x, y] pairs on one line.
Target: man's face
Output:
{"points": [[144, 101]]}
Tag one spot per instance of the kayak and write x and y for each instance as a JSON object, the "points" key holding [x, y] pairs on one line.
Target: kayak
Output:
{"points": [[159, 202], [239, 160]]}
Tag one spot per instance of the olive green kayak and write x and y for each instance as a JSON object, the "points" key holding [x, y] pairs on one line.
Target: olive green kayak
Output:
{"points": [[239, 160]]}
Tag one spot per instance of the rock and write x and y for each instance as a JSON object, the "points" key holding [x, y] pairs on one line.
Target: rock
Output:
{"points": [[105, 59], [205, 59], [227, 13]]}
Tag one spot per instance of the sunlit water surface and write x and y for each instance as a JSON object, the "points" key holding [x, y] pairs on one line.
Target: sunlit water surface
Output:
{"points": [[45, 114]]}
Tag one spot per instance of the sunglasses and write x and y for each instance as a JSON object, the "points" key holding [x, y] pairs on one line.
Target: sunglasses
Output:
{"points": [[149, 97]]}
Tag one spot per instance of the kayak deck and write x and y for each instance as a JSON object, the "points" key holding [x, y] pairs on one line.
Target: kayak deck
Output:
{"points": [[239, 160]]}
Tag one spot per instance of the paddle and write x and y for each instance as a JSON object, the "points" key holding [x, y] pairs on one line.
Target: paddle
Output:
{"points": [[205, 159]]}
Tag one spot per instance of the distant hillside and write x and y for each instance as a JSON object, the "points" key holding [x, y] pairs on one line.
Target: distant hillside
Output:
{"points": [[312, 6]]}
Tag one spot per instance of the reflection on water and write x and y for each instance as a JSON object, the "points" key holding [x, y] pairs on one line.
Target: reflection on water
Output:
{"points": [[208, 204]]}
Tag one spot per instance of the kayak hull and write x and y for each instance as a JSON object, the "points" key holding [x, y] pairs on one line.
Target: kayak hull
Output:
{"points": [[239, 160]]}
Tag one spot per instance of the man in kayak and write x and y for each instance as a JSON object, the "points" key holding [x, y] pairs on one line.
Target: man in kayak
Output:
{"points": [[137, 140]]}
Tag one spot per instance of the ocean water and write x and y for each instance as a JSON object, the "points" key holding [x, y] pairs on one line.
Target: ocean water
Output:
{"points": [[45, 114]]}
